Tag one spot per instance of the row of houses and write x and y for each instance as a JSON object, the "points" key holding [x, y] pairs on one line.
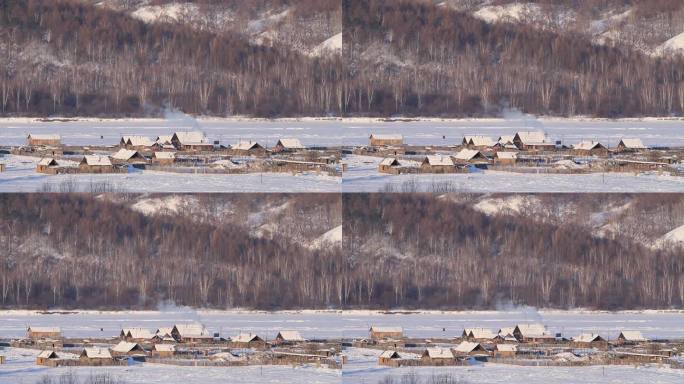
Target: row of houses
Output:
{"points": [[523, 141]]}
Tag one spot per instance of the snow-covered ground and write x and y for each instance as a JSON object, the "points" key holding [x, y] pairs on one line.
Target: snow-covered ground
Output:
{"points": [[362, 176], [21, 368], [21, 176], [653, 132], [362, 367], [324, 132], [348, 324]]}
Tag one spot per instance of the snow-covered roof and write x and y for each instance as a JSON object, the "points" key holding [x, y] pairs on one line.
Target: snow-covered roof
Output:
{"points": [[532, 330], [290, 336], [506, 331], [386, 136], [632, 336], [390, 355], [47, 161], [467, 346], [137, 333], [632, 143], [290, 143], [587, 145], [164, 331], [164, 347], [48, 354], [438, 353], [467, 154], [138, 141], [44, 136], [478, 140], [45, 329], [164, 139], [192, 330], [125, 154], [480, 333], [165, 155], [387, 329], [125, 347], [438, 160], [96, 160], [390, 161], [506, 139], [532, 137], [587, 337], [192, 137], [246, 145], [245, 338], [507, 347], [507, 155], [96, 353]]}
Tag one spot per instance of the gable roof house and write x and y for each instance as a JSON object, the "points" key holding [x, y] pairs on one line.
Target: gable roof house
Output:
{"points": [[190, 333], [472, 156], [505, 157], [438, 164], [382, 140], [588, 339], [248, 147], [387, 357], [440, 354], [163, 350], [128, 156], [96, 356], [44, 140], [137, 142], [192, 140], [44, 357], [630, 337], [136, 334], [478, 334], [630, 145], [531, 332], [44, 332], [163, 158], [126, 348], [477, 141], [590, 147], [288, 145], [289, 337], [505, 350], [386, 332], [528, 140], [95, 164], [470, 348], [247, 338]]}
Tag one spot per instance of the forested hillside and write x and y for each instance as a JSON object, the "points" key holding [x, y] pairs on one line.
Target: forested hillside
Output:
{"points": [[72, 57], [426, 252], [88, 251], [412, 57]]}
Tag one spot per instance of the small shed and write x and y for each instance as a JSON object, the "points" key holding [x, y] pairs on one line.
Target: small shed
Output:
{"points": [[377, 333], [505, 350], [47, 165], [386, 357], [44, 357], [44, 332], [505, 158], [164, 158], [164, 350], [389, 165]]}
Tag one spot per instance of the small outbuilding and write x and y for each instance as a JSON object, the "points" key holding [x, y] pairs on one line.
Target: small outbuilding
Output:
{"points": [[505, 350], [384, 140], [386, 357], [96, 356], [44, 332], [95, 164], [126, 348], [631, 337], [164, 158], [163, 350], [288, 145], [44, 357], [289, 337], [379, 333], [437, 164], [35, 140], [630, 145]]}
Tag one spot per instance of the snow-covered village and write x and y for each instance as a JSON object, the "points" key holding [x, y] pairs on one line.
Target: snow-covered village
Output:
{"points": [[341, 191]]}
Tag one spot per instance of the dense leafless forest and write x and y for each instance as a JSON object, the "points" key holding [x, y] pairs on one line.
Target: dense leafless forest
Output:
{"points": [[84, 251], [416, 58], [427, 252], [72, 57]]}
